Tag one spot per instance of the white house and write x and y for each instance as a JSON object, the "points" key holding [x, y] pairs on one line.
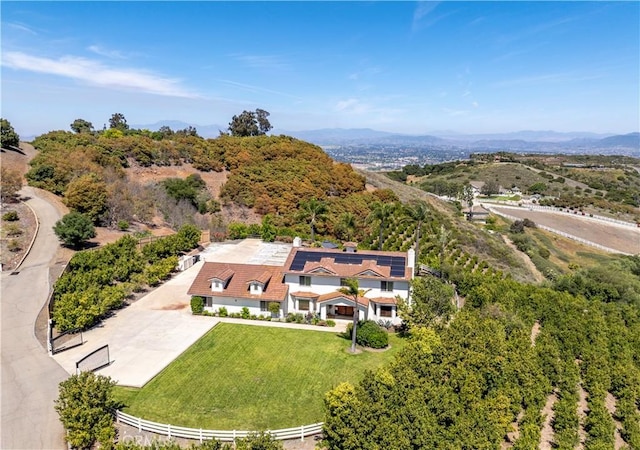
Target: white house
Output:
{"points": [[314, 277], [309, 282]]}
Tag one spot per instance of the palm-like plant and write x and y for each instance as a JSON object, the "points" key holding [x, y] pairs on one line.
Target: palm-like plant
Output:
{"points": [[347, 225], [381, 212], [417, 211], [352, 289], [312, 210], [444, 240]]}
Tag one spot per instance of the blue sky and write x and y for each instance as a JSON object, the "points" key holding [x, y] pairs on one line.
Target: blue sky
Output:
{"points": [[407, 67]]}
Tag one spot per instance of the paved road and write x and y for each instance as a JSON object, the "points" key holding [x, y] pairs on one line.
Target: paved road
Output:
{"points": [[29, 376]]}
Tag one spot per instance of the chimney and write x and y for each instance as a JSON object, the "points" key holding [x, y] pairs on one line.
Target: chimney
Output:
{"points": [[411, 259]]}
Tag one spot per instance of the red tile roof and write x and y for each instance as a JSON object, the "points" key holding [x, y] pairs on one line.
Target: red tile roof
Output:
{"points": [[223, 275], [384, 300], [237, 286], [262, 278]]}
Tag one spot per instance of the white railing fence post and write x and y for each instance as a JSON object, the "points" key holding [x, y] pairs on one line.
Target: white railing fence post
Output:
{"points": [[202, 434]]}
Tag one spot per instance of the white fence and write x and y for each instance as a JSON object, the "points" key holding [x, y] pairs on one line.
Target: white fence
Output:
{"points": [[562, 233], [201, 435]]}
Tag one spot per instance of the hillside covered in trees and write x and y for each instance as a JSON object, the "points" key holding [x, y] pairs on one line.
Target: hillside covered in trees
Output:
{"points": [[481, 380]]}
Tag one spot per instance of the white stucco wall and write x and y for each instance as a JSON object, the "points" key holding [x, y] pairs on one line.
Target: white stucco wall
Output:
{"points": [[235, 305], [327, 284]]}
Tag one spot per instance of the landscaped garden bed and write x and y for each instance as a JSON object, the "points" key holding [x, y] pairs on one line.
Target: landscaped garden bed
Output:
{"points": [[251, 378]]}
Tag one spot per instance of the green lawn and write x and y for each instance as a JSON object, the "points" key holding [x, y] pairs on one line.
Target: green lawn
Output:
{"points": [[249, 377]]}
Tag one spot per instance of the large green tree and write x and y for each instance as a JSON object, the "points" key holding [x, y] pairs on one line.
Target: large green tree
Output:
{"points": [[250, 123], [74, 229], [431, 303], [118, 122], [87, 194], [8, 136], [81, 126], [85, 405]]}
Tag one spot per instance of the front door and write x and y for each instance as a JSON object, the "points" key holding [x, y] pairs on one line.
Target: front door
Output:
{"points": [[344, 311]]}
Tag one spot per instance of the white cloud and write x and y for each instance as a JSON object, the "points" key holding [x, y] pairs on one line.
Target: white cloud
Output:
{"points": [[105, 52], [475, 104], [21, 27], [96, 73], [352, 105], [422, 10]]}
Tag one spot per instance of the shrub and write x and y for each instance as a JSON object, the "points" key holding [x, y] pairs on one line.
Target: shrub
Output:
{"points": [[369, 334], [517, 227], [85, 404], [13, 230], [74, 229], [522, 242], [295, 317], [544, 252], [14, 246], [222, 312], [10, 216], [197, 304], [274, 308], [245, 314], [123, 225], [331, 323]]}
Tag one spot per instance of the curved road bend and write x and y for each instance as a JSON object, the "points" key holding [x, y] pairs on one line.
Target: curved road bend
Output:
{"points": [[29, 376]]}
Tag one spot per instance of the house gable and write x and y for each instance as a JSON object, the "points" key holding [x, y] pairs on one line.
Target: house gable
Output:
{"points": [[241, 281]]}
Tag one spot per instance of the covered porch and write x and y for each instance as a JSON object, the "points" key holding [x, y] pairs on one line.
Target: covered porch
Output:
{"points": [[338, 306]]}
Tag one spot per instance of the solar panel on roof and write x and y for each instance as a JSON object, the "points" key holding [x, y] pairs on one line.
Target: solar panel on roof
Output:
{"points": [[395, 263]]}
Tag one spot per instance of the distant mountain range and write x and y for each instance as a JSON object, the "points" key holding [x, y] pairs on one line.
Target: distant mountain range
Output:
{"points": [[527, 140]]}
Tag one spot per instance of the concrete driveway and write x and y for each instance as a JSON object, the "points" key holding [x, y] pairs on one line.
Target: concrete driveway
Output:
{"points": [[149, 334], [146, 336], [30, 377]]}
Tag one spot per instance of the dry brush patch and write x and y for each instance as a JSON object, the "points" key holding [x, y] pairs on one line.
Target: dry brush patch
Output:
{"points": [[16, 235]]}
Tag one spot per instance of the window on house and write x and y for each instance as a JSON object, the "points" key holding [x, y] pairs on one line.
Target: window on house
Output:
{"points": [[264, 306], [303, 305], [305, 281], [385, 311], [386, 286]]}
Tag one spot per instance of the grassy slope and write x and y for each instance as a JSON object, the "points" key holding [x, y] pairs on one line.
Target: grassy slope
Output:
{"points": [[248, 377]]}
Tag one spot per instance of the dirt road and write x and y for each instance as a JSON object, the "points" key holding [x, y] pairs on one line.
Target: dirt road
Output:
{"points": [[621, 238]]}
